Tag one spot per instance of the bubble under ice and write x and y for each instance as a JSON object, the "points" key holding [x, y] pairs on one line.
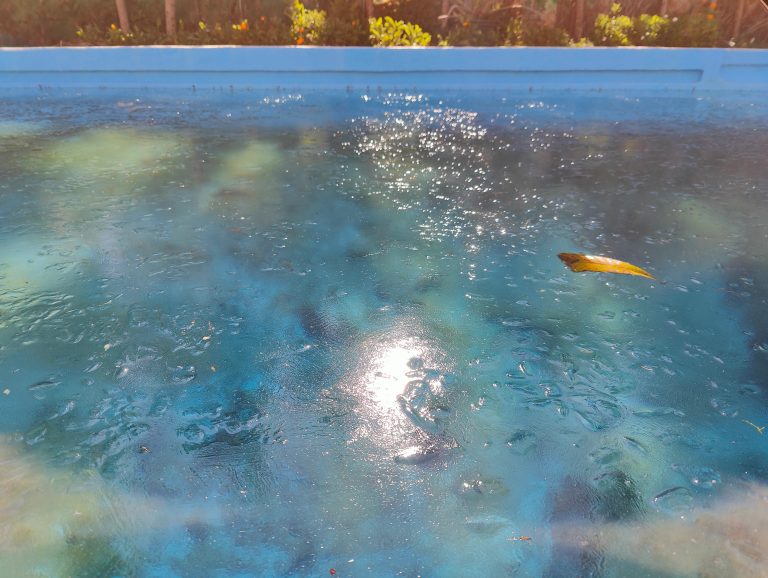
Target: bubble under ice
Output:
{"points": [[271, 334]]}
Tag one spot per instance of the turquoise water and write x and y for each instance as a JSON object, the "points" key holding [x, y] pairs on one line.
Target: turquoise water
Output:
{"points": [[275, 334]]}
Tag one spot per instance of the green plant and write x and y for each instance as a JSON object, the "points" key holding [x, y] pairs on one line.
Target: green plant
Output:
{"points": [[697, 30], [345, 25], [307, 26], [468, 34], [114, 36], [613, 29], [390, 32], [531, 32], [478, 10], [265, 30], [581, 43], [514, 33], [426, 12], [649, 30]]}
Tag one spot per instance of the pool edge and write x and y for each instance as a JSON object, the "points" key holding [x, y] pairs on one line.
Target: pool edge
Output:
{"points": [[291, 67]]}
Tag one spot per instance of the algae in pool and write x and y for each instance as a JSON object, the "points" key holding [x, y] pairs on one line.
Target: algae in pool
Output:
{"points": [[274, 336]]}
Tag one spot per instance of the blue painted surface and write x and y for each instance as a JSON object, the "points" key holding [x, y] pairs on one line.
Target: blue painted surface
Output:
{"points": [[252, 332], [654, 69]]}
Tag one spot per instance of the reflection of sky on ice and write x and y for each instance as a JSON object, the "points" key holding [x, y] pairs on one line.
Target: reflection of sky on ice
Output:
{"points": [[284, 334]]}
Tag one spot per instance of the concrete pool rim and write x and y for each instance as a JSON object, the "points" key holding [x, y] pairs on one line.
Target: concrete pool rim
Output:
{"points": [[290, 67]]}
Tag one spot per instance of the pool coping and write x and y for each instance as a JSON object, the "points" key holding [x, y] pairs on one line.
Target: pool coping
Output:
{"points": [[294, 67]]}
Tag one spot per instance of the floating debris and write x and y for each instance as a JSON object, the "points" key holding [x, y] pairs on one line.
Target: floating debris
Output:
{"points": [[759, 429], [579, 263]]}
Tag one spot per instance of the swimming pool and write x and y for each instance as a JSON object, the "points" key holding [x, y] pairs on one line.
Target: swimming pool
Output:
{"points": [[277, 333]]}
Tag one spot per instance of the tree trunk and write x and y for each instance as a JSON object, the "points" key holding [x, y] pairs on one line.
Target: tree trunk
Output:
{"points": [[170, 19], [738, 18], [444, 12], [122, 14], [563, 15], [369, 9], [664, 8], [578, 26]]}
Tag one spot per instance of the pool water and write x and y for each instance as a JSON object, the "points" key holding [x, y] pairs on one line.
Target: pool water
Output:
{"points": [[279, 334]]}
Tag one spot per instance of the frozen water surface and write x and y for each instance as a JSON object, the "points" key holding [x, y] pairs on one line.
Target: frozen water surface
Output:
{"points": [[272, 334]]}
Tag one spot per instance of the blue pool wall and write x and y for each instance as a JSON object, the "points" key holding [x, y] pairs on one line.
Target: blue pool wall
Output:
{"points": [[291, 67]]}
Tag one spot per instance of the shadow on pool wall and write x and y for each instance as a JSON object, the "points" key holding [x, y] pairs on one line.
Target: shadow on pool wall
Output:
{"points": [[278, 340]]}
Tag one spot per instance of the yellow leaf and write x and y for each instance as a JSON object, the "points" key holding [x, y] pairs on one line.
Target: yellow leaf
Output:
{"points": [[578, 263]]}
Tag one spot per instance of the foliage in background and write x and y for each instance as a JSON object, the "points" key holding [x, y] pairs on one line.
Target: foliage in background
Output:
{"points": [[613, 29], [346, 25], [424, 12], [264, 32], [649, 30], [522, 32], [390, 32], [617, 29], [478, 11], [695, 30], [477, 22], [345, 22], [307, 26], [468, 34], [42, 22]]}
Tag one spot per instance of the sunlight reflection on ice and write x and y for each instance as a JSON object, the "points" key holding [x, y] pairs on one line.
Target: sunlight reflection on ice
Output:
{"points": [[388, 364]]}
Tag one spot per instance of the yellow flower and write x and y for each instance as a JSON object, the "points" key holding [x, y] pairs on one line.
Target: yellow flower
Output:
{"points": [[201, 25], [113, 27]]}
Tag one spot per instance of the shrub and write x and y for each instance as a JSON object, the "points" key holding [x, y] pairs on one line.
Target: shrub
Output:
{"points": [[649, 30], [468, 34], [266, 31], [307, 26], [114, 36], [581, 43], [613, 29], [532, 33], [390, 32], [425, 12], [616, 29], [697, 30], [345, 26]]}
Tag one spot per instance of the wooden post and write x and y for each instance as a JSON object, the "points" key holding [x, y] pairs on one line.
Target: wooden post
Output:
{"points": [[368, 9], [444, 12], [563, 15], [122, 14], [738, 18], [578, 27], [664, 8], [170, 19]]}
